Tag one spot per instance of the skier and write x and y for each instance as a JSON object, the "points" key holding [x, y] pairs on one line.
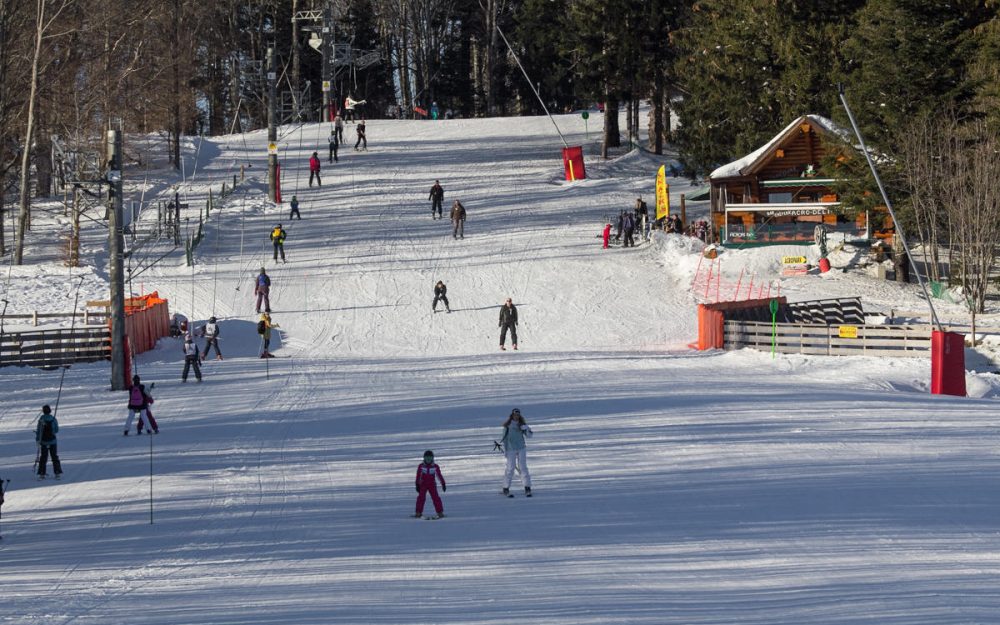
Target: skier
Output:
{"points": [[440, 294], [508, 321], [295, 209], [334, 143], [178, 324], [211, 332], [191, 359], [362, 139], [628, 224], [278, 239], [338, 127], [138, 402], [436, 197], [262, 286], [458, 219], [45, 437], [264, 330], [606, 235], [515, 430], [314, 167], [427, 475]]}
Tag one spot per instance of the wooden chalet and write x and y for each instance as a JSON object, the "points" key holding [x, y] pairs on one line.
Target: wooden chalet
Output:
{"points": [[778, 194]]}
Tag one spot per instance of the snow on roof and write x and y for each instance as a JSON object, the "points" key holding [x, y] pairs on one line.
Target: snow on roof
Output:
{"points": [[737, 167]]}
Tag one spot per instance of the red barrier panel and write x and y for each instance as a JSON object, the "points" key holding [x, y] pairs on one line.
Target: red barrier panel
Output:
{"points": [[573, 163], [947, 363]]}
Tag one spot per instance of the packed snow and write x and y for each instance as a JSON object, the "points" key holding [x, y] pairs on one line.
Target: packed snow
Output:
{"points": [[671, 485]]}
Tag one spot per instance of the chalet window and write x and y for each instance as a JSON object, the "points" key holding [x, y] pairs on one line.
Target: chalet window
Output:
{"points": [[779, 198]]}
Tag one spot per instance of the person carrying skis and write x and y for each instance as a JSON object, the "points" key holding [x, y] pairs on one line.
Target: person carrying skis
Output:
{"points": [[262, 289], [349, 106], [334, 144], [295, 209], [45, 437], [440, 294], [515, 430], [362, 139], [458, 219], [138, 402], [436, 197], [191, 359], [278, 239], [264, 330], [427, 475], [211, 332], [314, 167], [508, 321]]}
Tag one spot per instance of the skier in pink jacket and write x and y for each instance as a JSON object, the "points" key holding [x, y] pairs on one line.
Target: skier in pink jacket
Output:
{"points": [[427, 475]]}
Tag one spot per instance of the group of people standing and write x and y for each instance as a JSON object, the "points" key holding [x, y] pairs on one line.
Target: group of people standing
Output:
{"points": [[457, 215]]}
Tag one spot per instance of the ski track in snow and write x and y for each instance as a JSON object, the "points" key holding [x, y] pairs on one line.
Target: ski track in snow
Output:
{"points": [[672, 486]]}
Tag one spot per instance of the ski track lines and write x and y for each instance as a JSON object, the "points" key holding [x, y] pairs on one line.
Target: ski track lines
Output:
{"points": [[285, 500]]}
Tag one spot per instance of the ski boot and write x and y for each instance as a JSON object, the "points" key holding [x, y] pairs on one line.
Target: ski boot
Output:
{"points": [[506, 493], [527, 491]]}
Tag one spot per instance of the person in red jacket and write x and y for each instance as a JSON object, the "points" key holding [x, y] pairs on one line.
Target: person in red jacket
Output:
{"points": [[314, 170], [427, 475], [606, 235]]}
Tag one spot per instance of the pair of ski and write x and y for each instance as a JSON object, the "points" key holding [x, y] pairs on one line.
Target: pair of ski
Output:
{"points": [[428, 518], [506, 493]]}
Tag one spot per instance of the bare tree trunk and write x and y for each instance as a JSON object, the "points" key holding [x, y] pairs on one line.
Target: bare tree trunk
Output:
{"points": [[24, 203], [175, 114], [296, 63], [612, 133]]}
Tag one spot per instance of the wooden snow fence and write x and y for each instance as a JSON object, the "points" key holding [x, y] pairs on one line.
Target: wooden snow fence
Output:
{"points": [[55, 348], [147, 319], [833, 327], [827, 340]]}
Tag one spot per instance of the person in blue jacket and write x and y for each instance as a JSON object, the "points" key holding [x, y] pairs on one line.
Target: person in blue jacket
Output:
{"points": [[45, 437]]}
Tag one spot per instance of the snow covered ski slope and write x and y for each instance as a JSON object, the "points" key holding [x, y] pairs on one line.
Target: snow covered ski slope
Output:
{"points": [[671, 486]]}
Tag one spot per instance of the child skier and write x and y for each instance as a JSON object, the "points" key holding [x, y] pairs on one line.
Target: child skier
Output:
{"points": [[45, 438], [138, 402], [427, 475]]}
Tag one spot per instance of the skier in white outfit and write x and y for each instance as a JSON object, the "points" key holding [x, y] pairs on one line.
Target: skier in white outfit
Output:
{"points": [[515, 430]]}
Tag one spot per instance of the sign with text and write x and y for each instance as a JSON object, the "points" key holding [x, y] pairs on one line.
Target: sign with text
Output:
{"points": [[662, 193], [848, 332], [793, 260]]}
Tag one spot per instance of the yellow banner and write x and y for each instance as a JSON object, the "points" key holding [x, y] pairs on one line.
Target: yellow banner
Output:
{"points": [[848, 332], [793, 260], [662, 193]]}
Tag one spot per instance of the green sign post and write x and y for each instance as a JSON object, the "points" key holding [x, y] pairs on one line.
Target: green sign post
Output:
{"points": [[774, 326], [586, 127]]}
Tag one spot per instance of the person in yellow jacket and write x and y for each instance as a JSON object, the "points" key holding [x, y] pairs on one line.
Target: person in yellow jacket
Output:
{"points": [[264, 330], [278, 239]]}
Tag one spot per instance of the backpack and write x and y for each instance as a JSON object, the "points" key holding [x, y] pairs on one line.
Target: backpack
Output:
{"points": [[261, 326], [136, 396], [48, 435]]}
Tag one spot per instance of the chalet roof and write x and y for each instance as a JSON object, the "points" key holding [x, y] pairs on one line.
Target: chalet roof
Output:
{"points": [[748, 163]]}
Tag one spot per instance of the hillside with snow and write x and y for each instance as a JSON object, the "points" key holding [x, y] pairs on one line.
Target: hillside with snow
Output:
{"points": [[671, 486]]}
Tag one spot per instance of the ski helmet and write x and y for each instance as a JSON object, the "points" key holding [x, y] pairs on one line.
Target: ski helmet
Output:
{"points": [[428, 456], [211, 319], [46, 409]]}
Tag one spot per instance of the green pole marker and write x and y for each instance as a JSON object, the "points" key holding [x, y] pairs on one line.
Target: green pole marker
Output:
{"points": [[774, 326], [586, 127]]}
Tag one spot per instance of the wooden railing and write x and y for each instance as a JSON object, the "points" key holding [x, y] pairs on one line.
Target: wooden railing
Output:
{"points": [[830, 340], [54, 348]]}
